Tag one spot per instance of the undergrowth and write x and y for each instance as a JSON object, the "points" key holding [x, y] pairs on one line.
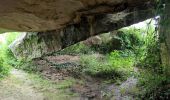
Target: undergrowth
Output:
{"points": [[151, 85], [117, 65], [140, 48], [7, 59], [151, 75]]}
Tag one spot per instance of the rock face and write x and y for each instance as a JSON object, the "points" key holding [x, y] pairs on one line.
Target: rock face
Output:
{"points": [[43, 15], [33, 45], [36, 44], [67, 21]]}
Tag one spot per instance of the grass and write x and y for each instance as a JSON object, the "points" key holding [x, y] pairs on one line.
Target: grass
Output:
{"points": [[122, 61], [19, 83], [94, 66], [113, 66], [50, 89], [40, 81]]}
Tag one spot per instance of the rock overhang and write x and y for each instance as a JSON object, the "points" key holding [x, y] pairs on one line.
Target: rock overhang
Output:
{"points": [[46, 15], [55, 24]]}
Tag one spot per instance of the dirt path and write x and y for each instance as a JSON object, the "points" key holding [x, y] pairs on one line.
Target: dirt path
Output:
{"points": [[20, 85]]}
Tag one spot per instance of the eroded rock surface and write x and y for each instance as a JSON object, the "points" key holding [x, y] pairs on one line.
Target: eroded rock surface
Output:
{"points": [[67, 21], [36, 44], [43, 15]]}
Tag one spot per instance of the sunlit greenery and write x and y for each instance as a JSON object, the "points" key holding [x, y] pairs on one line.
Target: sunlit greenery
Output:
{"points": [[7, 58]]}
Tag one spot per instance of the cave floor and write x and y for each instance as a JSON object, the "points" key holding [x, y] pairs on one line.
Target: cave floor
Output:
{"points": [[17, 86], [52, 84], [20, 85]]}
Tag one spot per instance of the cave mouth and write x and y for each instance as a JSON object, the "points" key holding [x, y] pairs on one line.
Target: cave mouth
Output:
{"points": [[94, 68]]}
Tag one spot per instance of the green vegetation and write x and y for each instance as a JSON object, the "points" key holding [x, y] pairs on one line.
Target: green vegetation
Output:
{"points": [[131, 38], [150, 84], [78, 48], [139, 49], [26, 66], [40, 81], [7, 59], [50, 88], [118, 64]]}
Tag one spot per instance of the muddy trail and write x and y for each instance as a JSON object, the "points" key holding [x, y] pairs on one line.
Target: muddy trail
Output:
{"points": [[20, 86]]}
